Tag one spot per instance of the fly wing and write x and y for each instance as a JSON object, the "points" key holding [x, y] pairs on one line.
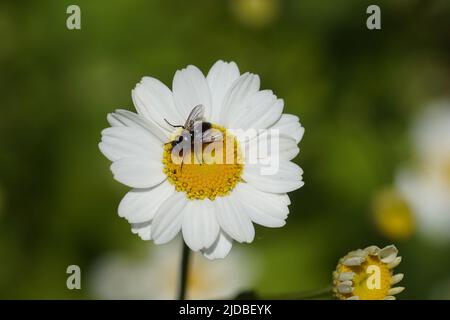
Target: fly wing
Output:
{"points": [[197, 128], [195, 115], [212, 135], [197, 141]]}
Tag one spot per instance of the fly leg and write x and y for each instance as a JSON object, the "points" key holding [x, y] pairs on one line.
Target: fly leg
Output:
{"points": [[173, 125]]}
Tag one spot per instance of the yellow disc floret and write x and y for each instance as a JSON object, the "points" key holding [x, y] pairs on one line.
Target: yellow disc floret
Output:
{"points": [[215, 174]]}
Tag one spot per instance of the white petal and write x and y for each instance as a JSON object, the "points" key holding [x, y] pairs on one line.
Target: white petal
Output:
{"points": [[238, 97], [397, 278], [168, 218], [200, 228], [344, 288], [138, 172], [266, 209], [289, 125], [288, 148], [389, 298], [353, 298], [388, 254], [125, 142], [220, 78], [189, 90], [262, 110], [358, 253], [268, 144], [140, 205], [220, 248], [115, 121], [396, 290], [232, 218], [144, 230], [287, 178], [353, 261], [346, 276], [347, 283], [395, 263], [154, 101], [125, 118], [372, 250]]}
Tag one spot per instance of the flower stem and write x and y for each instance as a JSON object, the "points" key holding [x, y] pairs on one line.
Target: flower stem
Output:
{"points": [[184, 268]]}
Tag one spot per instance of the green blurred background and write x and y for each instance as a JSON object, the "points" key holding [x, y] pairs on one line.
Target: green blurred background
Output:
{"points": [[355, 91]]}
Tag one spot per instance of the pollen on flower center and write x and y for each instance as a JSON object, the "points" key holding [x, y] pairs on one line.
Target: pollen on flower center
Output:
{"points": [[218, 172]]}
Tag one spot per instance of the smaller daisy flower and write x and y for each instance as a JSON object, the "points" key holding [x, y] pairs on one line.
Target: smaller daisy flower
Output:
{"points": [[368, 274]]}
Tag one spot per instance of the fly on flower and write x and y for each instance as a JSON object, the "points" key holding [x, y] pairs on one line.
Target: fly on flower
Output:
{"points": [[216, 201], [195, 132]]}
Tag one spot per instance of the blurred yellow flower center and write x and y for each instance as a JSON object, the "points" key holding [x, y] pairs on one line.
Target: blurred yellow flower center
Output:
{"points": [[393, 215], [447, 171], [372, 279], [256, 13], [218, 172]]}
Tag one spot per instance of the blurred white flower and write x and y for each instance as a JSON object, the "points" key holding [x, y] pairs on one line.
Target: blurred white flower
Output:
{"points": [[426, 183], [155, 275]]}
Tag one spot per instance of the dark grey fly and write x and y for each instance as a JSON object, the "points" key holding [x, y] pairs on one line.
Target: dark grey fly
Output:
{"points": [[194, 127]]}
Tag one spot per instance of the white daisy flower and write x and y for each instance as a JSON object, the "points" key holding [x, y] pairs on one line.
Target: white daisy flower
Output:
{"points": [[211, 203], [426, 183], [152, 276]]}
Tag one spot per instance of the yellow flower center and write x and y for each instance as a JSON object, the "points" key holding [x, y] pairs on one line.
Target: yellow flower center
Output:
{"points": [[372, 279], [393, 215], [446, 171], [215, 174], [256, 13]]}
